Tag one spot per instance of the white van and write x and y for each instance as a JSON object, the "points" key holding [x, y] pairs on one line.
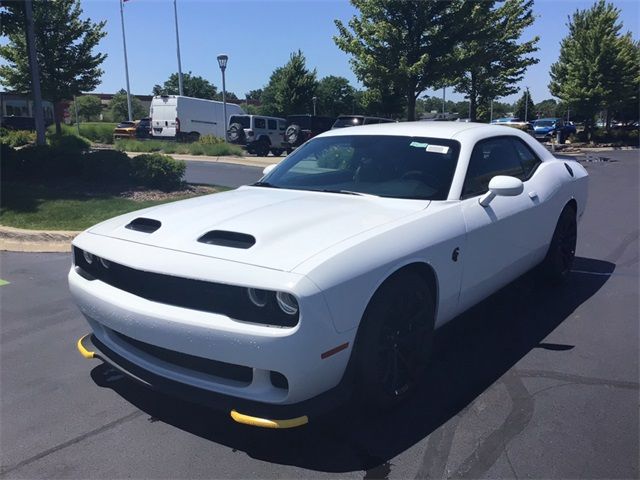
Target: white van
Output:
{"points": [[186, 118]]}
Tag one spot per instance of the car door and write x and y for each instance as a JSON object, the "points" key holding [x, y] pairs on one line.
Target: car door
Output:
{"points": [[501, 237], [272, 131]]}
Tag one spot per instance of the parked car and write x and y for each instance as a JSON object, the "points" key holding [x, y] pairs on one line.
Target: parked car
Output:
{"points": [[125, 130], [356, 120], [301, 128], [257, 133], [328, 276], [187, 119], [143, 129], [545, 128]]}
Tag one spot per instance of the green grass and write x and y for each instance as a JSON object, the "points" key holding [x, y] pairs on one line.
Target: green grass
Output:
{"points": [[62, 207], [98, 132], [196, 148]]}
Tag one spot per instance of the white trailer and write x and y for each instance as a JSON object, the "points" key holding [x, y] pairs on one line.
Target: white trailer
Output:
{"points": [[186, 118]]}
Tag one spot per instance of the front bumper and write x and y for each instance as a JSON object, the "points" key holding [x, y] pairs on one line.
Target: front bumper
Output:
{"points": [[296, 353], [242, 411]]}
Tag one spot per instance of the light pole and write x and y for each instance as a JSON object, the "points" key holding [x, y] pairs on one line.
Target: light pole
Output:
{"points": [[526, 103], [314, 99], [126, 64], [175, 12], [222, 61], [491, 114]]}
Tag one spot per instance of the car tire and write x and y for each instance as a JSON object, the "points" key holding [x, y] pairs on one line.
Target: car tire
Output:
{"points": [[262, 148], [292, 134], [276, 152], [235, 134], [394, 342], [559, 259], [193, 137]]}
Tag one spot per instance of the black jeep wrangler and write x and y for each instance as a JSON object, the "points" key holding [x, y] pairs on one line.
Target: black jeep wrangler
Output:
{"points": [[301, 128]]}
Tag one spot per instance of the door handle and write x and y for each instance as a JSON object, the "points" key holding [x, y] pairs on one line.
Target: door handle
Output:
{"points": [[533, 195]]}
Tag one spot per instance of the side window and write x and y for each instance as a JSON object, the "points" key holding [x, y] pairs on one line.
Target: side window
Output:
{"points": [[273, 124], [528, 159], [260, 123], [282, 125], [496, 156]]}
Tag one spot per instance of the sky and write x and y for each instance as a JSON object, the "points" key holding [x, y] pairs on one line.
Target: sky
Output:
{"points": [[259, 36]]}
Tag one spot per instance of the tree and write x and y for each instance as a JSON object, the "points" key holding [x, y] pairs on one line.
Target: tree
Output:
{"points": [[494, 60], [408, 44], [64, 44], [525, 109], [89, 107], [254, 95], [290, 88], [118, 107], [548, 108], [597, 68], [192, 86], [335, 96]]}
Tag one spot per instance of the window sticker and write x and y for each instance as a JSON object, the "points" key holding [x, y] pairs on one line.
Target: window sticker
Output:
{"points": [[437, 149], [419, 145]]}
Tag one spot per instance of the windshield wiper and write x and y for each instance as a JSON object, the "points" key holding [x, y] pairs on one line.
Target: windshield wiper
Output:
{"points": [[348, 192], [264, 184]]}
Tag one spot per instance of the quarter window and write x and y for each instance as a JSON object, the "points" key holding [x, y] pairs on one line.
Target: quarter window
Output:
{"points": [[260, 123]]}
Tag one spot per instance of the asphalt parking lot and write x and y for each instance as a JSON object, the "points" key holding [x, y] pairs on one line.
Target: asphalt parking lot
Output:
{"points": [[534, 382]]}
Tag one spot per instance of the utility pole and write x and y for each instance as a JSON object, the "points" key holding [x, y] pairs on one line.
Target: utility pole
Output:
{"points": [[175, 11], [126, 64], [75, 104], [444, 95], [491, 114], [38, 113], [526, 103]]}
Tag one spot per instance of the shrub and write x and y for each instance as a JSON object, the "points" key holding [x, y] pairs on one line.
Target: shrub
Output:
{"points": [[157, 171], [210, 140], [8, 164], [45, 162], [17, 138], [69, 143], [106, 165]]}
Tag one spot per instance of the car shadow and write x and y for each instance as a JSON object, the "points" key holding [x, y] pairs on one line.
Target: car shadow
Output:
{"points": [[472, 352]]}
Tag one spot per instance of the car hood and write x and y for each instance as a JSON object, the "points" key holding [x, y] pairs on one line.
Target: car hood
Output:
{"points": [[289, 226]]}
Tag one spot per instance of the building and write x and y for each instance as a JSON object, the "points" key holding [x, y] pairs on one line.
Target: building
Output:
{"points": [[17, 111]]}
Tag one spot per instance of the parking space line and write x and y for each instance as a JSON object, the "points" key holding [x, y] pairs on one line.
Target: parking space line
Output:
{"points": [[593, 273]]}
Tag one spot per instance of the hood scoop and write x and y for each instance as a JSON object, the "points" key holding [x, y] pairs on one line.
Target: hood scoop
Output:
{"points": [[145, 225], [224, 238]]}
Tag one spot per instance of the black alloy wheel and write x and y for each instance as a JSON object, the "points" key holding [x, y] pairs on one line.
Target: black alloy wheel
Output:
{"points": [[396, 341], [562, 250]]}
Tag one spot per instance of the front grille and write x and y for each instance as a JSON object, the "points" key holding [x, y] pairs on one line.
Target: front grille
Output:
{"points": [[210, 297], [216, 368]]}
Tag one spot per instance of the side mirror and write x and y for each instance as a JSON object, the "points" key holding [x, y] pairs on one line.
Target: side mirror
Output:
{"points": [[503, 186], [268, 168]]}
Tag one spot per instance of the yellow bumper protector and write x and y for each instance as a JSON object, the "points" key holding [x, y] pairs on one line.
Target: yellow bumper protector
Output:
{"points": [[266, 423], [83, 351]]}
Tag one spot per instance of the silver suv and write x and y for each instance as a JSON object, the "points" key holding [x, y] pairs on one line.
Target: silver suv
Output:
{"points": [[257, 133]]}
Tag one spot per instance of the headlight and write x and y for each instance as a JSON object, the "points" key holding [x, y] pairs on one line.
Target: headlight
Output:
{"points": [[258, 297], [88, 257], [287, 303]]}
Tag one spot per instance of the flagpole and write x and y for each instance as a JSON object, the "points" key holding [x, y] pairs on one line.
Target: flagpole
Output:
{"points": [[175, 11], [126, 63]]}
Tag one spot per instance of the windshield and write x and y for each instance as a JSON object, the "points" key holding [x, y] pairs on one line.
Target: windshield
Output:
{"points": [[381, 165], [347, 122], [125, 124], [544, 123], [243, 120]]}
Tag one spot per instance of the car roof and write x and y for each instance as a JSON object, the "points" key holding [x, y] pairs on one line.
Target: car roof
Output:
{"points": [[414, 129], [547, 118]]}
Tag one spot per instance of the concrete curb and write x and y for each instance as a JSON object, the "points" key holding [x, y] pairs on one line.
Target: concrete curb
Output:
{"points": [[45, 241], [246, 161]]}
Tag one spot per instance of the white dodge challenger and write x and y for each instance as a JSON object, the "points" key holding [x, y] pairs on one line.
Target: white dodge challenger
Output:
{"points": [[329, 276]]}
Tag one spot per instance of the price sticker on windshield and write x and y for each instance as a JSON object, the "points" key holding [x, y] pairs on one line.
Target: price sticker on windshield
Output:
{"points": [[437, 149]]}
